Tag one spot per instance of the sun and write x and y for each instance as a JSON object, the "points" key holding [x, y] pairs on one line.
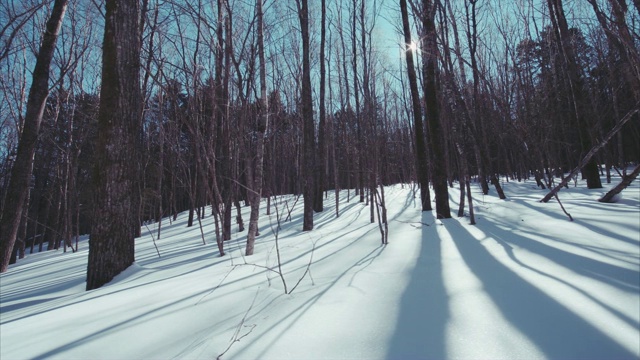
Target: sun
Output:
{"points": [[413, 46]]}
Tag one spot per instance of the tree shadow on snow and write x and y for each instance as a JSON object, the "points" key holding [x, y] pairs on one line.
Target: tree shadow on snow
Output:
{"points": [[622, 277], [625, 279], [554, 215], [424, 308], [554, 329]]}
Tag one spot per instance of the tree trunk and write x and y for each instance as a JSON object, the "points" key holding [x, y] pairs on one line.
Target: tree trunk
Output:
{"points": [[436, 131], [322, 145], [23, 166], [223, 67], [308, 162], [263, 124], [111, 248], [472, 217], [421, 149]]}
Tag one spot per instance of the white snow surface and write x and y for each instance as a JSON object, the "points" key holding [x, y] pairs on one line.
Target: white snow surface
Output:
{"points": [[524, 283]]}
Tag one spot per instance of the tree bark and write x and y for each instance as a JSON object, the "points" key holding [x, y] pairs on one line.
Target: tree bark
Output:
{"points": [[322, 145], [263, 124], [221, 117], [111, 248], [436, 131], [18, 187], [421, 149], [308, 162]]}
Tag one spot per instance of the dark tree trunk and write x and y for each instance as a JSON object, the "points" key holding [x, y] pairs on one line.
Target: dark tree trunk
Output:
{"points": [[472, 217], [421, 149], [358, 142], [18, 187], [111, 248], [308, 161], [223, 67], [322, 146], [436, 130]]}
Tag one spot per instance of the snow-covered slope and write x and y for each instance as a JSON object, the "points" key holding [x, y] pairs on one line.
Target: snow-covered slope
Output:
{"points": [[524, 283]]}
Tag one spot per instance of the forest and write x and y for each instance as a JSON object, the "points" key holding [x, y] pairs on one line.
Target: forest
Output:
{"points": [[118, 113]]}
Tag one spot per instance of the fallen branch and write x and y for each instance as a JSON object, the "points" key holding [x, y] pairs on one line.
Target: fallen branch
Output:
{"points": [[626, 181], [276, 234], [306, 271], [563, 209], [219, 284]]}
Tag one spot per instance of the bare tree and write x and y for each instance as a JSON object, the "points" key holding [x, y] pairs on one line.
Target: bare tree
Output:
{"points": [[436, 132], [263, 123], [322, 127], [619, 35], [308, 161], [480, 137], [421, 149], [18, 187], [111, 248], [563, 37], [14, 22]]}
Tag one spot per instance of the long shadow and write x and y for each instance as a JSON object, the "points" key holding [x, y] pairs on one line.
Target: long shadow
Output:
{"points": [[45, 284], [605, 232], [424, 309], [409, 202], [44, 291], [501, 236], [106, 290], [621, 277], [553, 328], [146, 316], [593, 228]]}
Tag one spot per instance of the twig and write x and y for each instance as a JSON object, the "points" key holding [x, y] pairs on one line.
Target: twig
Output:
{"points": [[284, 283], [217, 286], [259, 266], [415, 222], [306, 270], [292, 207], [200, 216], [152, 238], [236, 335]]}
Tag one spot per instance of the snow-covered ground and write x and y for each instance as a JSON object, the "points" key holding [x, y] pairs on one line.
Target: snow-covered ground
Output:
{"points": [[524, 283]]}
